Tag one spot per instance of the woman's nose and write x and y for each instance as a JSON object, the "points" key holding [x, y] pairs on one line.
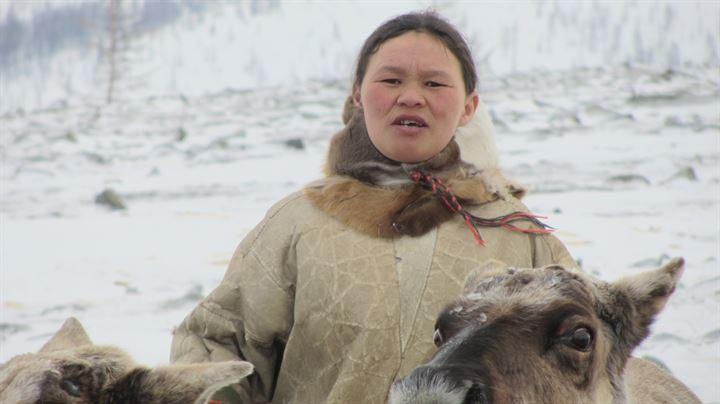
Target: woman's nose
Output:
{"points": [[411, 96]]}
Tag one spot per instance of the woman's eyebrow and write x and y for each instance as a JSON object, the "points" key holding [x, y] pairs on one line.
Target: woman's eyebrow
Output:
{"points": [[391, 69], [423, 73], [434, 73]]}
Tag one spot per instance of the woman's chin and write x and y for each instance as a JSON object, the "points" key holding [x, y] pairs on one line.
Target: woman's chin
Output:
{"points": [[408, 144], [408, 156]]}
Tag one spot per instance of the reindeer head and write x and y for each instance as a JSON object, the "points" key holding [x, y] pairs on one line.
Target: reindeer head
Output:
{"points": [[538, 336], [70, 369]]}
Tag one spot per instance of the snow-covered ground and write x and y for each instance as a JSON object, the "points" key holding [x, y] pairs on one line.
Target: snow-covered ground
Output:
{"points": [[624, 161], [229, 107]]}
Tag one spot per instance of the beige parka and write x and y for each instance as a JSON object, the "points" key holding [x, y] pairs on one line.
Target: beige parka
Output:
{"points": [[330, 314]]}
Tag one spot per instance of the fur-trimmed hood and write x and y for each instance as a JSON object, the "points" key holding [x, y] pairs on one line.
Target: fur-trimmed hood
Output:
{"points": [[378, 196]]}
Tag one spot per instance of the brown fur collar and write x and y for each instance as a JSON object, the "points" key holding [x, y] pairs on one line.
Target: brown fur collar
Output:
{"points": [[375, 195], [390, 212]]}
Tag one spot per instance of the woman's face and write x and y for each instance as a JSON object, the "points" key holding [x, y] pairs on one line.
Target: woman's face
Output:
{"points": [[413, 97]]}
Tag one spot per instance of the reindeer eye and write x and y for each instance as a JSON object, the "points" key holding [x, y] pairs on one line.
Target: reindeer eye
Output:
{"points": [[437, 337], [70, 387], [581, 339]]}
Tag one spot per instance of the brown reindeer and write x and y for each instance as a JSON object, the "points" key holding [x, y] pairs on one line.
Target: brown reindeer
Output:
{"points": [[546, 336], [70, 369]]}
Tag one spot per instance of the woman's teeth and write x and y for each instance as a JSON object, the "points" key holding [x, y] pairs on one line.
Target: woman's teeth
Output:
{"points": [[409, 123]]}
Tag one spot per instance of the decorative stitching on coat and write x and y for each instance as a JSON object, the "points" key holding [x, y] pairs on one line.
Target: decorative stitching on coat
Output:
{"points": [[275, 210], [249, 335], [267, 272], [259, 231]]}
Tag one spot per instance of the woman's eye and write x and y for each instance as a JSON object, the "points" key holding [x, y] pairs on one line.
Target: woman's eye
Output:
{"points": [[391, 81], [434, 84], [581, 339]]}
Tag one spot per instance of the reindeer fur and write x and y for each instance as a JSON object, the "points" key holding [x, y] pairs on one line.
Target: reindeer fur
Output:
{"points": [[511, 339], [71, 369]]}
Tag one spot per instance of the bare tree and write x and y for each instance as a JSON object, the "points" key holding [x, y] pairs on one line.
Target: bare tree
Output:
{"points": [[114, 35], [121, 18], [113, 28]]}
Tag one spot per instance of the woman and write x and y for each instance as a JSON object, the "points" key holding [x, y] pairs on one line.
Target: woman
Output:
{"points": [[334, 294]]}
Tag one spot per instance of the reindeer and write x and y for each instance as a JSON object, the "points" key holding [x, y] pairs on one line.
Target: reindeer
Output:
{"points": [[546, 335], [71, 369]]}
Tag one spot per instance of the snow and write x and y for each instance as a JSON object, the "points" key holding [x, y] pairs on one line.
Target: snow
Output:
{"points": [[624, 158]]}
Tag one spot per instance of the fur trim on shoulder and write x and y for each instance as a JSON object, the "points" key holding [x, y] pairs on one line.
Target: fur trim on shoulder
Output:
{"points": [[392, 212]]}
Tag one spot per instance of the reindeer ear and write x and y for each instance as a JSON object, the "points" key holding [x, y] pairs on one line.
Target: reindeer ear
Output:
{"points": [[488, 268], [205, 379], [649, 291], [222, 376], [70, 335]]}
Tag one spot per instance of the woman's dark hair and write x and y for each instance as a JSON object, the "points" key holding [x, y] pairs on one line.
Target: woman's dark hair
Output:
{"points": [[426, 22]]}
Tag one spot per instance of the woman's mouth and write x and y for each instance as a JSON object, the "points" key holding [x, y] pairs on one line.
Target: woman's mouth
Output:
{"points": [[410, 121], [409, 125], [407, 122]]}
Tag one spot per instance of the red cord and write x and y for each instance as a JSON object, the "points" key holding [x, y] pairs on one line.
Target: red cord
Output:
{"points": [[442, 191]]}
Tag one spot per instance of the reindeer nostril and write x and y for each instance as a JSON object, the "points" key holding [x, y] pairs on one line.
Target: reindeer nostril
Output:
{"points": [[438, 337], [476, 394]]}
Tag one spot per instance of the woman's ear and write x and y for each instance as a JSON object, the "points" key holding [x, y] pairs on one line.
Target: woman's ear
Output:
{"points": [[471, 104], [356, 96]]}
